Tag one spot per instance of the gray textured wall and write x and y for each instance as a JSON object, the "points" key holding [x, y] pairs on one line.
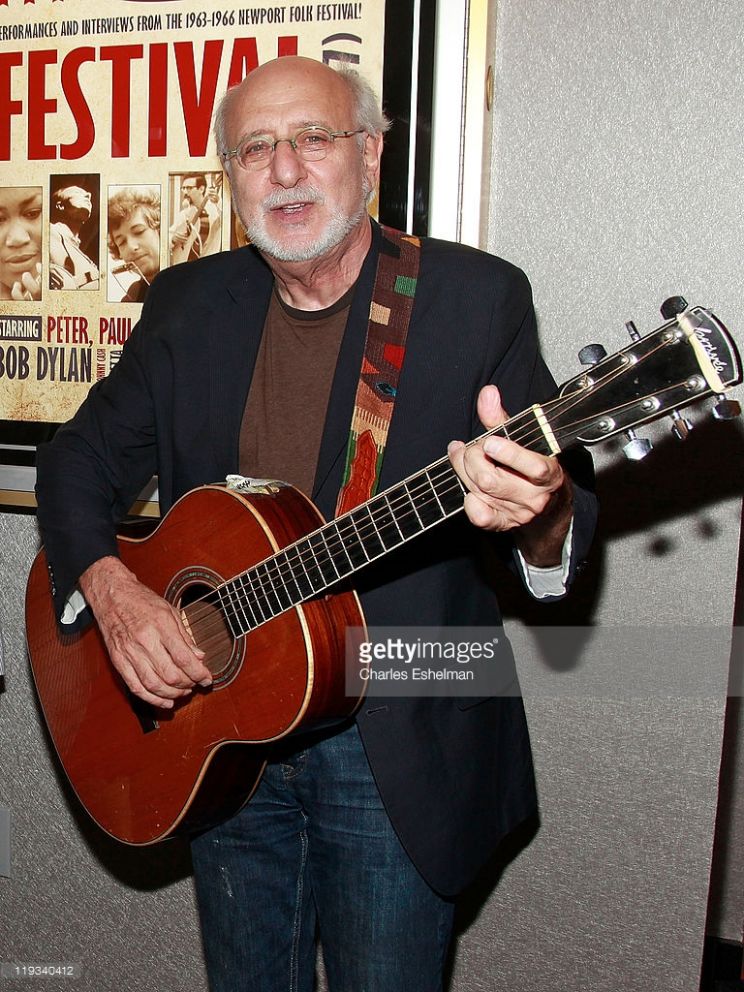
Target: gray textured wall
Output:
{"points": [[615, 181], [616, 178], [127, 917]]}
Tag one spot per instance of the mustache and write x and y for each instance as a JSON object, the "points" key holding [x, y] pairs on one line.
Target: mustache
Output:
{"points": [[283, 197]]}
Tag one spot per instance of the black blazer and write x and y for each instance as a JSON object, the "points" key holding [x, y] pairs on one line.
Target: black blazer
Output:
{"points": [[455, 774]]}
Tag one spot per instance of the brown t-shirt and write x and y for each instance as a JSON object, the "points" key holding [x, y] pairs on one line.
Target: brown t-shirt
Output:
{"points": [[286, 407]]}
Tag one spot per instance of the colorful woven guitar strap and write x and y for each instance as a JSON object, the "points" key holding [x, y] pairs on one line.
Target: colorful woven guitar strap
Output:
{"points": [[384, 350]]}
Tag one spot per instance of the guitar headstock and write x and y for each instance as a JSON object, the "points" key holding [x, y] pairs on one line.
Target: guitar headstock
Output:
{"points": [[685, 360]]}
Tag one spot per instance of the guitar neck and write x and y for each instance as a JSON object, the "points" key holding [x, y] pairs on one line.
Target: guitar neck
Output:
{"points": [[679, 363], [365, 534]]}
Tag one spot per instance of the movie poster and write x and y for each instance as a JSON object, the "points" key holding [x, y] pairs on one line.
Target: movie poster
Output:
{"points": [[108, 171]]}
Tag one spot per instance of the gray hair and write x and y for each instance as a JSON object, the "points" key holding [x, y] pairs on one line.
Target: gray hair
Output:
{"points": [[367, 111], [123, 204]]}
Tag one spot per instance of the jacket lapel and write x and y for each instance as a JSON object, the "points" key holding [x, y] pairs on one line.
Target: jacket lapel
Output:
{"points": [[332, 456], [235, 328]]}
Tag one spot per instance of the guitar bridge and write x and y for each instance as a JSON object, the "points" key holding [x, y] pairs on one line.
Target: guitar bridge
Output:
{"points": [[144, 713], [245, 484]]}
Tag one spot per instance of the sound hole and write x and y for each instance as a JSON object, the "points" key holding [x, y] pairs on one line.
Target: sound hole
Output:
{"points": [[193, 593]]}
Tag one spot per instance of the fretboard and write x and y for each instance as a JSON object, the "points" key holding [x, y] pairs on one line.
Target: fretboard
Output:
{"points": [[338, 549], [350, 542]]}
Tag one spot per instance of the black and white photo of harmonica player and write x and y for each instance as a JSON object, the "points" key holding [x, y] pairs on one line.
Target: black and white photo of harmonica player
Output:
{"points": [[133, 241]]}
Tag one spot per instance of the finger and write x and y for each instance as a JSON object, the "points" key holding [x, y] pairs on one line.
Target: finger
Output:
{"points": [[135, 685], [498, 481], [490, 411], [456, 453], [532, 466], [144, 650], [153, 669], [494, 514], [186, 656]]}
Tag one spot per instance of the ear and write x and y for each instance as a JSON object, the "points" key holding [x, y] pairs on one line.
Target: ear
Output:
{"points": [[372, 154]]}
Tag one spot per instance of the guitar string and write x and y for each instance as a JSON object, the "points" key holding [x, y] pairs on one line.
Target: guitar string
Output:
{"points": [[402, 496], [332, 547]]}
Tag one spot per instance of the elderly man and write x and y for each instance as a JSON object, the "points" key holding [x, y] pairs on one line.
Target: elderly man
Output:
{"points": [[249, 361]]}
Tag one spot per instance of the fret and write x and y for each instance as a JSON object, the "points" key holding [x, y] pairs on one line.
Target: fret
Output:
{"points": [[310, 563], [258, 595], [267, 587], [286, 574], [338, 542], [406, 521], [426, 502], [229, 620], [278, 585], [450, 489], [409, 494], [236, 604], [324, 562], [434, 490], [386, 524], [374, 546], [353, 543], [302, 580]]}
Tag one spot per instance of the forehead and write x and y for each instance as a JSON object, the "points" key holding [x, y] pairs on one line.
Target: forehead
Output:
{"points": [[70, 191], [17, 197], [290, 96], [135, 219]]}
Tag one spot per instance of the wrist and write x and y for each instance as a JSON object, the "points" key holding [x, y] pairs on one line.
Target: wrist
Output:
{"points": [[541, 540]]}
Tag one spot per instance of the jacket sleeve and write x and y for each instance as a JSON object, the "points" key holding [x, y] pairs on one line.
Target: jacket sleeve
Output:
{"points": [[89, 475], [523, 378]]}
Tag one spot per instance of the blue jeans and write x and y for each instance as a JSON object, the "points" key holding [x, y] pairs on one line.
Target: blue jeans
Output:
{"points": [[314, 851]]}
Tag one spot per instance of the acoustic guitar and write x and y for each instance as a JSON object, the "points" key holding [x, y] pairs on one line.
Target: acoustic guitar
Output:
{"points": [[261, 583]]}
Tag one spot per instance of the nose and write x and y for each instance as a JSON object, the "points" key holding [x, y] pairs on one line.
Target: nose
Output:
{"points": [[130, 246], [287, 168], [17, 234]]}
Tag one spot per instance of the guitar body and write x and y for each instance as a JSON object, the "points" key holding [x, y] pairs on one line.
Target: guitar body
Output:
{"points": [[143, 773]]}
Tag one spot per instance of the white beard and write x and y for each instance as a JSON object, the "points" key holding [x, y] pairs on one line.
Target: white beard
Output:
{"points": [[338, 228]]}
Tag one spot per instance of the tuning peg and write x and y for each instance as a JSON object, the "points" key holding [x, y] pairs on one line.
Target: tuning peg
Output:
{"points": [[673, 307], [635, 334], [591, 354], [637, 447], [681, 426], [726, 409]]}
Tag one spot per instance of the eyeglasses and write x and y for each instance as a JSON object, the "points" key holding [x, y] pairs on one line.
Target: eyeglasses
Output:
{"points": [[310, 143]]}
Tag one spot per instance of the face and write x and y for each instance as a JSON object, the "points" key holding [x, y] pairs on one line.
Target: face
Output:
{"points": [[296, 210], [77, 200], [20, 233], [138, 243], [193, 195]]}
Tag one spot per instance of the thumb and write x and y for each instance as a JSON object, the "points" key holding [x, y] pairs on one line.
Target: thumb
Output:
{"points": [[490, 411]]}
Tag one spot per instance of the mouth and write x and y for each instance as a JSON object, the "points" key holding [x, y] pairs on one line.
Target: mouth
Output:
{"points": [[292, 202], [288, 209], [20, 261]]}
